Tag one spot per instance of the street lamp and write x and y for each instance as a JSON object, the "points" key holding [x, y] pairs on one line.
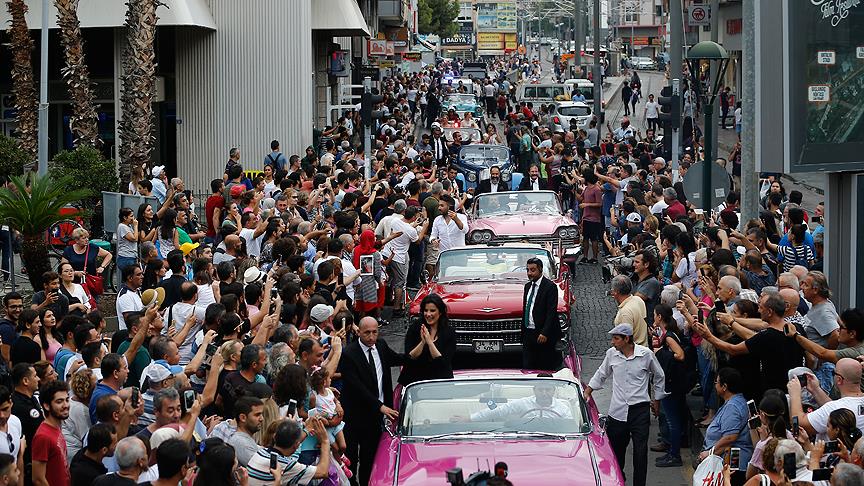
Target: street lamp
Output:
{"points": [[707, 51]]}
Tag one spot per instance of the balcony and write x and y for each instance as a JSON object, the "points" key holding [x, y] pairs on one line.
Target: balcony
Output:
{"points": [[394, 12]]}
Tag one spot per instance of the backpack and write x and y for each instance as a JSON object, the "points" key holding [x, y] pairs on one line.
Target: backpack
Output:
{"points": [[275, 162]]}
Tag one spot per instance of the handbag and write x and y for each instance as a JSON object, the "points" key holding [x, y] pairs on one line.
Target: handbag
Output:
{"points": [[94, 283], [709, 472]]}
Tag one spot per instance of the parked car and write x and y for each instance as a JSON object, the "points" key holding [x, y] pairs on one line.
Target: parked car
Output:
{"points": [[541, 427], [567, 115], [643, 63], [476, 159], [483, 285]]}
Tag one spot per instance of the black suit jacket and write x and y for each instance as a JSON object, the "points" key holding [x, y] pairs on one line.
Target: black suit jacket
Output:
{"points": [[525, 185], [486, 186], [359, 393], [545, 309]]}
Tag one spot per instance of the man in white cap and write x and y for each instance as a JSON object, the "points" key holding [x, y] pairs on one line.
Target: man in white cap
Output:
{"points": [[160, 377], [322, 316], [159, 181], [631, 309], [632, 368]]}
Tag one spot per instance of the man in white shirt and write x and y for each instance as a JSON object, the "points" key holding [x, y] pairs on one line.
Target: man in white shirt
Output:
{"points": [[633, 368], [847, 381], [181, 314], [652, 112], [449, 227], [383, 230], [348, 269], [397, 251], [253, 232], [542, 404], [129, 296]]}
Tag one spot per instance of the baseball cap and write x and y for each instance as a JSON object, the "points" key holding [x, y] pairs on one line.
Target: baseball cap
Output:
{"points": [[158, 372], [622, 330], [157, 170], [436, 125], [153, 297], [237, 190], [320, 313], [188, 247], [634, 218]]}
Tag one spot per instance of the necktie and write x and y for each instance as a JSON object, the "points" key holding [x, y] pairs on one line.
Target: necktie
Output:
{"points": [[528, 304]]}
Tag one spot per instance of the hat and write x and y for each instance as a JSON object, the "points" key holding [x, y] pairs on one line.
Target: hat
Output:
{"points": [[153, 297], [164, 433], [157, 170], [253, 275], [188, 247], [237, 190], [320, 313], [634, 218], [660, 160], [622, 330], [436, 125], [158, 372]]}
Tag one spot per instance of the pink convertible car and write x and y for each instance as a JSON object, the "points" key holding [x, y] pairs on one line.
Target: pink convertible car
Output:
{"points": [[541, 427]]}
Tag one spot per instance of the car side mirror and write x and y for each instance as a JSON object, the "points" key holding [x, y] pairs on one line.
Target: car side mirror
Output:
{"points": [[601, 421], [389, 426]]}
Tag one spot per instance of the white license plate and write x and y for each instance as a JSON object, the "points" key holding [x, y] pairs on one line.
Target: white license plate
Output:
{"points": [[488, 345]]}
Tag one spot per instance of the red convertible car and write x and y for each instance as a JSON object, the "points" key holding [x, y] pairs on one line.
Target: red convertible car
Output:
{"points": [[541, 427], [483, 287]]}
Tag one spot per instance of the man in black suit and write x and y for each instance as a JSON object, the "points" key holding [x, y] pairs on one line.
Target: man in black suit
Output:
{"points": [[367, 395], [455, 183], [533, 182], [540, 328], [494, 183]]}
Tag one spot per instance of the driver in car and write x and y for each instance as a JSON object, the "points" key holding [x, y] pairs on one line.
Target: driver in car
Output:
{"points": [[542, 404]]}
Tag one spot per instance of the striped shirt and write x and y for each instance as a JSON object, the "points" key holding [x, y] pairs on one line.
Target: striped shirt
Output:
{"points": [[293, 473]]}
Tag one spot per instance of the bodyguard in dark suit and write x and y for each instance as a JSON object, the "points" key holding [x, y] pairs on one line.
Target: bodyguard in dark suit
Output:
{"points": [[533, 182], [540, 328], [367, 395], [494, 182]]}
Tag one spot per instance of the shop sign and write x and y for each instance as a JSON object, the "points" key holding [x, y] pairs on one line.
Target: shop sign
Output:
{"points": [[377, 48], [458, 39]]}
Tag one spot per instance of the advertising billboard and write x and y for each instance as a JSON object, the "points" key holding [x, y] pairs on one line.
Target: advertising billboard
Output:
{"points": [[824, 43], [496, 16]]}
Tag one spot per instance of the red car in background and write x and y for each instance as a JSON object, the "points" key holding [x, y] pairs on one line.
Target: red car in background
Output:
{"points": [[483, 287]]}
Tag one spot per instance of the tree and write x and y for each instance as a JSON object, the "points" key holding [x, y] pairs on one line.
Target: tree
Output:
{"points": [[32, 210], [139, 86], [438, 17], [84, 123], [23, 85]]}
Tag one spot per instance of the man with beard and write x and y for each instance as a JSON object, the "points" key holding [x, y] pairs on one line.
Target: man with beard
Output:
{"points": [[49, 446], [249, 414], [494, 183], [87, 465]]}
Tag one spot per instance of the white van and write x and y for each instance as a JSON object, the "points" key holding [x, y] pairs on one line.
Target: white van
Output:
{"points": [[542, 93], [584, 86]]}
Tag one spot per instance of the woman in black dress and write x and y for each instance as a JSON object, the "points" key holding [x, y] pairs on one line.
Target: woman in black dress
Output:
{"points": [[25, 349], [430, 343]]}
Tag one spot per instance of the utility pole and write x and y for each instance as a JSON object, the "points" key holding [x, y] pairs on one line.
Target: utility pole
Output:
{"points": [[676, 41], [578, 36], [598, 77], [676, 128], [749, 177], [367, 133], [715, 66], [42, 168]]}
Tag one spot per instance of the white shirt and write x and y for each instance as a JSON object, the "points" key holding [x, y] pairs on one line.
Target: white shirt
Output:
{"points": [[493, 187], [318, 264], [630, 378], [180, 313], [819, 417], [738, 116], [535, 184], [128, 301], [652, 109], [347, 271], [253, 245], [13, 428], [383, 229], [535, 287], [658, 207], [379, 370], [521, 406], [399, 246], [448, 234]]}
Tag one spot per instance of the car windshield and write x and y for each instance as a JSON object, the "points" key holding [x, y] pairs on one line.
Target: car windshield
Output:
{"points": [[586, 91], [574, 110], [460, 99], [543, 407], [494, 263], [492, 204], [485, 155]]}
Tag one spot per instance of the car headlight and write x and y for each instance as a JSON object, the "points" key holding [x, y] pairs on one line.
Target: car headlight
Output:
{"points": [[564, 321], [487, 236], [476, 237], [573, 233], [472, 177]]}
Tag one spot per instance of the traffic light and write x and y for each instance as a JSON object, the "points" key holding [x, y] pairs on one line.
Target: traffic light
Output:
{"points": [[670, 109], [367, 103]]}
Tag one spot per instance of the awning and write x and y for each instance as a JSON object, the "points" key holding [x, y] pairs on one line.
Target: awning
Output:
{"points": [[112, 13], [342, 16]]}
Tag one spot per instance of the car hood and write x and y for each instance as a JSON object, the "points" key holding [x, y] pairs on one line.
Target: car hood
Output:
{"points": [[484, 300], [528, 461], [521, 224]]}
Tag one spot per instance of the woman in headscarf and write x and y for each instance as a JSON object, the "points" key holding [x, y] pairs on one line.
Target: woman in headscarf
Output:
{"points": [[369, 295]]}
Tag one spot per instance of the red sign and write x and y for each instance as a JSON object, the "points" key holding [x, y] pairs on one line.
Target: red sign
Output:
{"points": [[733, 26], [698, 13]]}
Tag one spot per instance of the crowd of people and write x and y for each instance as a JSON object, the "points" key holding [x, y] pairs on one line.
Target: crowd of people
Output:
{"points": [[248, 346]]}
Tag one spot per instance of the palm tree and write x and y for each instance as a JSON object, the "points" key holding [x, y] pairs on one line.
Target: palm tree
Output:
{"points": [[31, 210], [139, 87], [23, 85], [84, 123]]}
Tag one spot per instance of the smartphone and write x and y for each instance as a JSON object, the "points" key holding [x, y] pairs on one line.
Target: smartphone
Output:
{"points": [[823, 474], [292, 408], [790, 467], [754, 423], [795, 426], [802, 378], [832, 446], [274, 461], [188, 399], [734, 458], [719, 306], [786, 329], [751, 405], [136, 397]]}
